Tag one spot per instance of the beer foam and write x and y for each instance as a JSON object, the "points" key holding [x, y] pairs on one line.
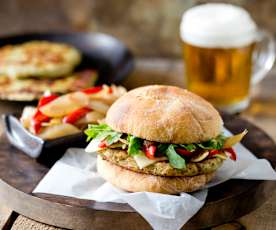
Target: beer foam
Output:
{"points": [[218, 25]]}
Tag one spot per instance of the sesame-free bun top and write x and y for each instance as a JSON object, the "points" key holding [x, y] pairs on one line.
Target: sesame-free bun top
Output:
{"points": [[165, 114]]}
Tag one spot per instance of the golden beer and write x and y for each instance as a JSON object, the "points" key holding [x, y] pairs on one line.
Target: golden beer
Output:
{"points": [[218, 41], [220, 75]]}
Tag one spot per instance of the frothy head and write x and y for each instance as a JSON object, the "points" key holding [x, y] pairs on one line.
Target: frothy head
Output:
{"points": [[218, 25]]}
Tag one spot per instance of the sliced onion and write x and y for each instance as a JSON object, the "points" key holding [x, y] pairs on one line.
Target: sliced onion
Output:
{"points": [[123, 141], [230, 141], [27, 115], [200, 157], [116, 145], [222, 156]]}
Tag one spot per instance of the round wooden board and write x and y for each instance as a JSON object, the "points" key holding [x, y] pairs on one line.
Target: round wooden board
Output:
{"points": [[19, 175]]}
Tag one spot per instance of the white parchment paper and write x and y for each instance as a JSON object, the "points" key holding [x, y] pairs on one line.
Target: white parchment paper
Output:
{"points": [[75, 175]]}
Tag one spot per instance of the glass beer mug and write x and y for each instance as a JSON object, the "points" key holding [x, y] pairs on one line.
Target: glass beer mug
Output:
{"points": [[224, 53]]}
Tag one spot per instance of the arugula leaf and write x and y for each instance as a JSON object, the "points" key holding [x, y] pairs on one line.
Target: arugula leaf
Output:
{"points": [[102, 132], [221, 139], [189, 147], [206, 145], [175, 160], [134, 145], [162, 148], [216, 143], [94, 130], [113, 137]]}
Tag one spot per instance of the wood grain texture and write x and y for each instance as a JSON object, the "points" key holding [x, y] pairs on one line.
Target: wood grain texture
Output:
{"points": [[262, 218], [5, 216], [24, 223]]}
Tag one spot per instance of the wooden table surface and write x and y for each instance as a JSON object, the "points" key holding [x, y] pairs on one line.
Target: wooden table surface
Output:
{"points": [[262, 112]]}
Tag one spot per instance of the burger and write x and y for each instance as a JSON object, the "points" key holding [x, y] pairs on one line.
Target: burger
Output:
{"points": [[160, 139]]}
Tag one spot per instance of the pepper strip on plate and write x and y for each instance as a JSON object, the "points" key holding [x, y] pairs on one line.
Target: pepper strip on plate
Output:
{"points": [[92, 90], [38, 118], [74, 116]]}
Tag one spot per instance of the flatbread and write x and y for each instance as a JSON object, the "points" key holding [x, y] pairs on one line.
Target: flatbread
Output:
{"points": [[33, 88], [38, 59]]}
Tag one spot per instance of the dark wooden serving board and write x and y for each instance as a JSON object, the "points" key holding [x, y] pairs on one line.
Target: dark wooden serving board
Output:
{"points": [[19, 175]]}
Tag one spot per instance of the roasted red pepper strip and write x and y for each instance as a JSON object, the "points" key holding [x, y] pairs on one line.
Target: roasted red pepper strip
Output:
{"points": [[214, 152], [76, 115], [92, 90], [46, 99], [102, 144], [37, 119], [233, 155], [184, 152], [150, 151]]}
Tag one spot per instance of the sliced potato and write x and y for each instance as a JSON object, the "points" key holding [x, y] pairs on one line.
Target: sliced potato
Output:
{"points": [[90, 118], [230, 141], [98, 106], [102, 95], [53, 121], [108, 94], [59, 130], [118, 91], [27, 115], [102, 121], [65, 104], [200, 157]]}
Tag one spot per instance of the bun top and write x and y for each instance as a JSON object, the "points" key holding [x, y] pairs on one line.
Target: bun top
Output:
{"points": [[165, 114]]}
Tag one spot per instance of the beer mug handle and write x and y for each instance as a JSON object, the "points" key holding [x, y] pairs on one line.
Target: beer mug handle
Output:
{"points": [[263, 56]]}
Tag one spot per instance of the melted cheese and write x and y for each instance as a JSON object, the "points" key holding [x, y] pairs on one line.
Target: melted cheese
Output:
{"points": [[142, 161], [93, 146]]}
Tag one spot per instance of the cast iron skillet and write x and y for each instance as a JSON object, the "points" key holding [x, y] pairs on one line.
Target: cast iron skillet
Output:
{"points": [[105, 53]]}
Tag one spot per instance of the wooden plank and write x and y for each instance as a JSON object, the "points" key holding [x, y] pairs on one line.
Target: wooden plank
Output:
{"points": [[229, 226], [262, 218], [24, 223]]}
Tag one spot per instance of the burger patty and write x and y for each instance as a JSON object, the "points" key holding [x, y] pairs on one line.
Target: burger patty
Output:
{"points": [[162, 168]]}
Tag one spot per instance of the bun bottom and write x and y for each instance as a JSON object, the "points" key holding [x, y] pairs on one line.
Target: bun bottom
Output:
{"points": [[138, 182]]}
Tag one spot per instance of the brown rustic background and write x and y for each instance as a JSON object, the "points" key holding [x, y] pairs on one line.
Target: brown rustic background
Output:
{"points": [[149, 27]]}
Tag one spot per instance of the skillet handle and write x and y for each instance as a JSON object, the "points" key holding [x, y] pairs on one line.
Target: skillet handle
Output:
{"points": [[20, 138]]}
